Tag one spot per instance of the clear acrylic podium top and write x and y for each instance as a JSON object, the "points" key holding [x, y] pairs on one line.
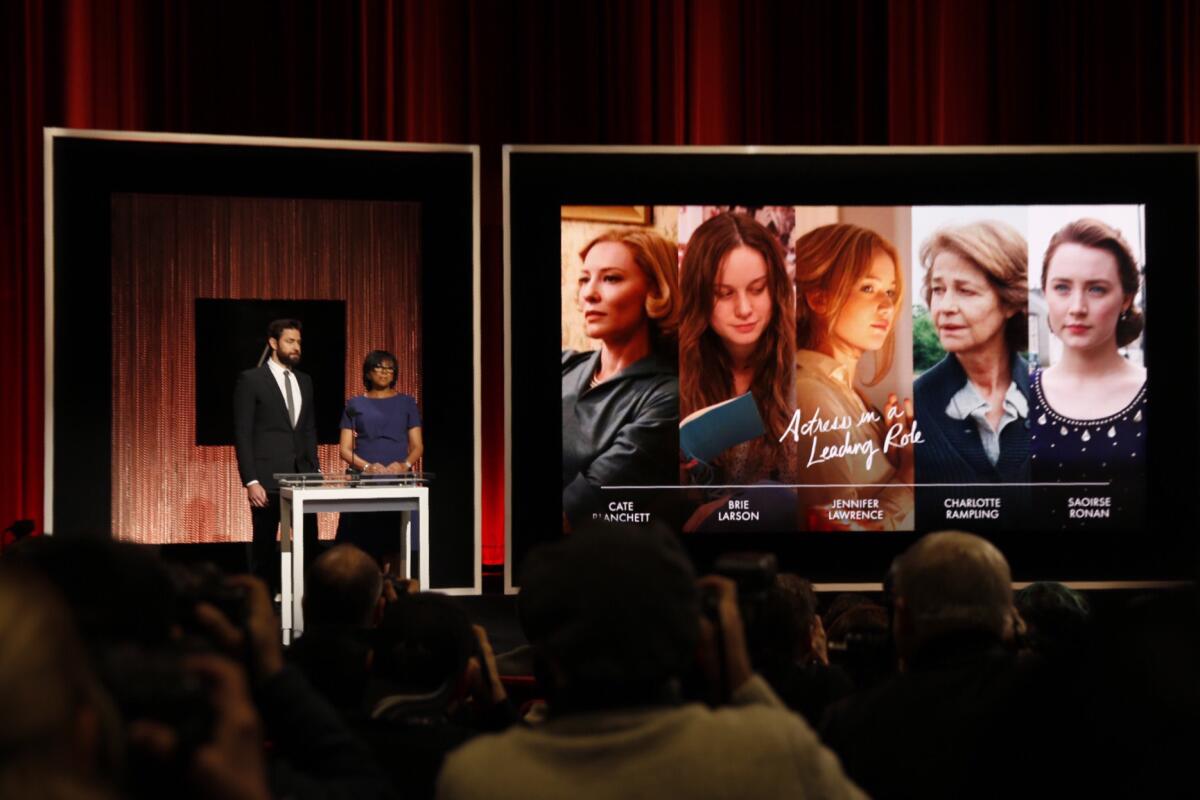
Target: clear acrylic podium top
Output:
{"points": [[344, 480]]}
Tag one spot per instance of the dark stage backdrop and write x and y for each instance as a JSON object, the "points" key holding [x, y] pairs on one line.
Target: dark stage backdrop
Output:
{"points": [[168, 250], [541, 71]]}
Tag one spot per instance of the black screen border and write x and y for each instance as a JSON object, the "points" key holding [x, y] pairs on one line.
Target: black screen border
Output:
{"points": [[539, 180], [84, 168]]}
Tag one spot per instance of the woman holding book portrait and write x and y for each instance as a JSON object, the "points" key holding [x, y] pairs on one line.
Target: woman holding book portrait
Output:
{"points": [[736, 338], [849, 289], [620, 402]]}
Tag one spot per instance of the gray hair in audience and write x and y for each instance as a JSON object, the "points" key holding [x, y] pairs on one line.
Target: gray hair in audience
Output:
{"points": [[344, 585], [954, 581]]}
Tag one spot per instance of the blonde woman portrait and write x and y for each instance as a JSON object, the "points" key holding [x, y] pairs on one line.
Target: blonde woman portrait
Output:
{"points": [[620, 401]]}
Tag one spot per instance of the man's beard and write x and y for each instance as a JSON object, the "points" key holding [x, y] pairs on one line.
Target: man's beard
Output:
{"points": [[290, 360]]}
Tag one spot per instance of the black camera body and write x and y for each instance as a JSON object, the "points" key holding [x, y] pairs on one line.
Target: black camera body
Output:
{"points": [[205, 583], [754, 574], [153, 684]]}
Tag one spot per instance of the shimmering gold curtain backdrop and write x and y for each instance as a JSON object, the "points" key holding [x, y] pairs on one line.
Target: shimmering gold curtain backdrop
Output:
{"points": [[169, 250]]}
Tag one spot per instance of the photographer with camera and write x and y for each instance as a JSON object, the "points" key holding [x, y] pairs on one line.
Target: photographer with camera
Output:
{"points": [[614, 616], [964, 708], [434, 686], [784, 634], [194, 668], [314, 753]]}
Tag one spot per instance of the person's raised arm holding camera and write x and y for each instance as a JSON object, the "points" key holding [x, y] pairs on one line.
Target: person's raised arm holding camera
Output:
{"points": [[316, 754]]}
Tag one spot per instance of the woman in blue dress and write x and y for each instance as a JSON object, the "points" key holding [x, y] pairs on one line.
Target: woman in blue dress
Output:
{"points": [[381, 435]]}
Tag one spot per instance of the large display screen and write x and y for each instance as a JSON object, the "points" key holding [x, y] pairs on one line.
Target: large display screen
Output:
{"points": [[826, 356], [799, 368]]}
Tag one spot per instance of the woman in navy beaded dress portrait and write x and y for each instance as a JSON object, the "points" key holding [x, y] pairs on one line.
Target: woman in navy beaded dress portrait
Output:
{"points": [[1089, 410], [381, 435]]}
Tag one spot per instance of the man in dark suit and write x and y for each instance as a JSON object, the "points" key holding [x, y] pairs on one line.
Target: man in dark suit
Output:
{"points": [[275, 431]]}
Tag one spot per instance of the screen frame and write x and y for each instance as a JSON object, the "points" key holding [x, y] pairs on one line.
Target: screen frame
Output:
{"points": [[464, 578], [528, 169]]}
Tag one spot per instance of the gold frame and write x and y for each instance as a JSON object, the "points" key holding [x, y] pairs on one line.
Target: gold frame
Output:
{"points": [[628, 215]]}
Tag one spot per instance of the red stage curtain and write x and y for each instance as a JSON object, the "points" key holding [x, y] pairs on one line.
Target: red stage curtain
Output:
{"points": [[538, 71], [21, 321]]}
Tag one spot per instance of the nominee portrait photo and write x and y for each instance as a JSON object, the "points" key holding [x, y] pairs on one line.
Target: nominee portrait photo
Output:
{"points": [[972, 394], [736, 345], [1090, 407], [852, 388], [620, 387]]}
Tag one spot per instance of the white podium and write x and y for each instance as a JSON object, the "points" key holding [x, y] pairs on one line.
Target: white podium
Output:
{"points": [[307, 494]]}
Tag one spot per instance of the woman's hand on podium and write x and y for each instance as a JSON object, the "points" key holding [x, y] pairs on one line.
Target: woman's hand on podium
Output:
{"points": [[397, 468]]}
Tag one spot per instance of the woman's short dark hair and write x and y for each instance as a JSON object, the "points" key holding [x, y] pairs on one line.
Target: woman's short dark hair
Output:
{"points": [[377, 358]]}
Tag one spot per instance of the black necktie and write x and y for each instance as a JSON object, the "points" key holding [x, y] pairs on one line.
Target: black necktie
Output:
{"points": [[287, 391]]}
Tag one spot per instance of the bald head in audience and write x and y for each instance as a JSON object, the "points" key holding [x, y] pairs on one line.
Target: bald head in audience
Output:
{"points": [[344, 587], [950, 582]]}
